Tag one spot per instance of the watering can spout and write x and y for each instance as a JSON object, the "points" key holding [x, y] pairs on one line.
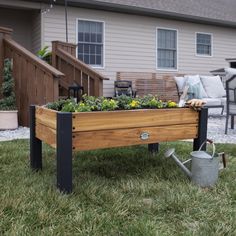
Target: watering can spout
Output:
{"points": [[171, 153]]}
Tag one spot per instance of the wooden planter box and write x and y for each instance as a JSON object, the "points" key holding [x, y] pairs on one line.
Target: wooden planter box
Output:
{"points": [[96, 130]]}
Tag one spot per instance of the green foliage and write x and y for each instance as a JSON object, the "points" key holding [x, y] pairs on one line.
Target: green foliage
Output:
{"points": [[45, 54], [93, 102], [118, 191], [8, 102], [151, 102], [122, 102], [69, 106], [58, 105], [109, 105], [83, 107]]}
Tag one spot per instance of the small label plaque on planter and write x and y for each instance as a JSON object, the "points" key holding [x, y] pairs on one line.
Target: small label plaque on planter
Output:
{"points": [[144, 136]]}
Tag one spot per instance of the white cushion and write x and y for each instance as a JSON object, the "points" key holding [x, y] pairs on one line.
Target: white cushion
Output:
{"points": [[194, 79], [230, 72], [180, 81], [223, 101], [213, 86]]}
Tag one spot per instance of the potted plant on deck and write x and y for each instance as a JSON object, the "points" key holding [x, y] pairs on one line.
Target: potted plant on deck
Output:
{"points": [[8, 111]]}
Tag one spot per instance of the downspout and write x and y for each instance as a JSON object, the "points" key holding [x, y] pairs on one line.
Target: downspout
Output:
{"points": [[66, 21]]}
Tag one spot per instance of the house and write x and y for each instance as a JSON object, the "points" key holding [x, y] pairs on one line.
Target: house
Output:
{"points": [[154, 36], [124, 35]]}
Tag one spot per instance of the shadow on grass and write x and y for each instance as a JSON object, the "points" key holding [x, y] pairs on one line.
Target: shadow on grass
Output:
{"points": [[120, 163]]}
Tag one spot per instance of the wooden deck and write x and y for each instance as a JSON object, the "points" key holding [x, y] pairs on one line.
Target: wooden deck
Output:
{"points": [[37, 82]]}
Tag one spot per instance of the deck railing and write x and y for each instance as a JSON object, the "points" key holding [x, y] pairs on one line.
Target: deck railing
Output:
{"points": [[76, 72], [36, 82]]}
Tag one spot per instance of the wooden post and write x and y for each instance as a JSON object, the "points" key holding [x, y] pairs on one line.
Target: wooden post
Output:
{"points": [[100, 83], [202, 130], [4, 33], [54, 57], [35, 144], [64, 152]]}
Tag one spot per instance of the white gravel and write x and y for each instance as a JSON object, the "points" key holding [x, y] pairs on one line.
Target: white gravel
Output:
{"points": [[216, 132], [20, 133]]}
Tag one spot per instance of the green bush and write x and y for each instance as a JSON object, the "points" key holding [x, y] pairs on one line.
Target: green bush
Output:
{"points": [[8, 102]]}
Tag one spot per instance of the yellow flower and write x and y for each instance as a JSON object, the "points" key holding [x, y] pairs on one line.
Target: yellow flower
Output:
{"points": [[134, 104], [172, 104]]}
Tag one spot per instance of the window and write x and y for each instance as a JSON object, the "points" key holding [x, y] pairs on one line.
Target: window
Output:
{"points": [[166, 49], [204, 44], [90, 42]]}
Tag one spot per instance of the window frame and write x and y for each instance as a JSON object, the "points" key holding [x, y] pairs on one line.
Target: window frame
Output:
{"points": [[177, 50], [103, 35], [203, 55]]}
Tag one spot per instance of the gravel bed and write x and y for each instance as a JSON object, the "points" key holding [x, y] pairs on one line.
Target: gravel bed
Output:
{"points": [[216, 132], [20, 133]]}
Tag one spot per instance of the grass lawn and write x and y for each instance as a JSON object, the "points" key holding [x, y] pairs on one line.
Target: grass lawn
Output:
{"points": [[121, 191]]}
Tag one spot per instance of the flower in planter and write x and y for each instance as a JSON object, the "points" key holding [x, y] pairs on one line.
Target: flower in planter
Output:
{"points": [[123, 102], [171, 104], [109, 105], [134, 104], [91, 103], [69, 106], [82, 107], [151, 101]]}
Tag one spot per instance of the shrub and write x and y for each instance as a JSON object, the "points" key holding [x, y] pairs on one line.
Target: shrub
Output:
{"points": [[8, 102], [45, 55]]}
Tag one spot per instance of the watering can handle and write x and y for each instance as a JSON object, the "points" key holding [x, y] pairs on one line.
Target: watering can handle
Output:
{"points": [[213, 146]]}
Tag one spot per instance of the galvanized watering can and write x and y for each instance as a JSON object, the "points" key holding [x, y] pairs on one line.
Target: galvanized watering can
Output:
{"points": [[204, 167]]}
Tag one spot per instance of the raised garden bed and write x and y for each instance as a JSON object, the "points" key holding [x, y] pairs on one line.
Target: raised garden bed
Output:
{"points": [[105, 129]]}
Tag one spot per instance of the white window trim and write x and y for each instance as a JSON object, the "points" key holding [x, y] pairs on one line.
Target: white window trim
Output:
{"points": [[177, 50], [201, 55], [94, 20]]}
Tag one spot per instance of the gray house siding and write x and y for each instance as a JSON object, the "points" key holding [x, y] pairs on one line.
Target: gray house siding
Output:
{"points": [[130, 41], [20, 22], [36, 32]]}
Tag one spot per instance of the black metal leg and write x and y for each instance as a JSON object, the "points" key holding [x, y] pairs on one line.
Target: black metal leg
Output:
{"points": [[35, 144], [222, 111], [153, 147], [64, 152], [232, 121], [226, 123], [202, 129]]}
